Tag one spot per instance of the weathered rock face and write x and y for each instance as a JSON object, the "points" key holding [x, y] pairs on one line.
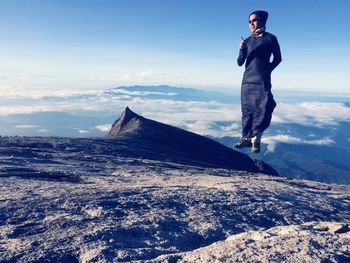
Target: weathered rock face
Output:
{"points": [[128, 122], [308, 242], [145, 209], [178, 145]]}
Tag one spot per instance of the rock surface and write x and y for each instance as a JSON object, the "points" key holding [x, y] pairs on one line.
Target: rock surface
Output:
{"points": [[179, 145], [309, 242], [146, 209], [122, 198]]}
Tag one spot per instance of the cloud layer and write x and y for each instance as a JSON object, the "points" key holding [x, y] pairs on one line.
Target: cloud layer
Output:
{"points": [[212, 118], [272, 141], [312, 113]]}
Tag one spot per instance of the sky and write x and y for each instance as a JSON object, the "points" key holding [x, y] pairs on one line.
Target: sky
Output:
{"points": [[99, 44]]}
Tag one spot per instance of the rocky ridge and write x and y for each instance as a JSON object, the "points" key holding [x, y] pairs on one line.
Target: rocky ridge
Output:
{"points": [[180, 145]]}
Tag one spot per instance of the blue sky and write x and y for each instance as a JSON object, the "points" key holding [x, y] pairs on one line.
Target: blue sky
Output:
{"points": [[88, 44]]}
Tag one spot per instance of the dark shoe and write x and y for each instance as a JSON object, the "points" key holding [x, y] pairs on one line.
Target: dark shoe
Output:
{"points": [[256, 144], [243, 142]]}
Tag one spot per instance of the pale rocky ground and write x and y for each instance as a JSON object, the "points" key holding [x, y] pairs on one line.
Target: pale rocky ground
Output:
{"points": [[144, 197], [146, 209], [309, 242]]}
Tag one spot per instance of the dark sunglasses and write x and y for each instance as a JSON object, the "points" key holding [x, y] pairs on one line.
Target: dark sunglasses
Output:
{"points": [[253, 20]]}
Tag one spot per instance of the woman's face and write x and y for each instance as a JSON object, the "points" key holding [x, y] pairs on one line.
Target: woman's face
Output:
{"points": [[254, 23]]}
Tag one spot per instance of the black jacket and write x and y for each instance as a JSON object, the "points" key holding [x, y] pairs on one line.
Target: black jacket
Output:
{"points": [[256, 52]]}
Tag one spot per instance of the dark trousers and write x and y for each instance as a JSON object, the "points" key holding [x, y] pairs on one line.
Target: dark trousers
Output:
{"points": [[257, 108]]}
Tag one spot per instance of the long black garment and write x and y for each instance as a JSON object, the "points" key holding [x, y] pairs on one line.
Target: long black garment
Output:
{"points": [[256, 98]]}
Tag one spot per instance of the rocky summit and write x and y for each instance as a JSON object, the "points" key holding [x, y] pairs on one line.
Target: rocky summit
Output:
{"points": [[150, 192], [171, 143]]}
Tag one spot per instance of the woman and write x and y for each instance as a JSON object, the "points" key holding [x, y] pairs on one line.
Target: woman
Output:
{"points": [[256, 98]]}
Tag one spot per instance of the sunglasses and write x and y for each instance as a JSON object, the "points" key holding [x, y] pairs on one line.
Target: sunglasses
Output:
{"points": [[253, 20]]}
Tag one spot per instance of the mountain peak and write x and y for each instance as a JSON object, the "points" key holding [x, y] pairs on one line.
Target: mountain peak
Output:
{"points": [[128, 122], [169, 143]]}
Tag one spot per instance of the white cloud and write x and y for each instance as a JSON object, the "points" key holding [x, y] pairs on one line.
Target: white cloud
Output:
{"points": [[104, 128], [187, 76], [196, 116], [83, 131], [203, 117], [26, 126], [204, 127], [272, 141], [311, 113], [11, 110], [16, 92], [147, 75]]}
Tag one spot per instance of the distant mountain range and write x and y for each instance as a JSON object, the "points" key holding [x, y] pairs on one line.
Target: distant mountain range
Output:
{"points": [[173, 93], [323, 163]]}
